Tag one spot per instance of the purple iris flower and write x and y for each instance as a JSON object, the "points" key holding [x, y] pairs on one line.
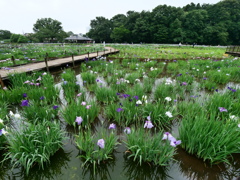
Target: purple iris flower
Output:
{"points": [[126, 95], [184, 83], [119, 109], [55, 107], [179, 74], [136, 97], [25, 103], [127, 130], [79, 120], [148, 124], [0, 132], [42, 98], [175, 143], [24, 95], [101, 143], [204, 78], [112, 126], [222, 109]]}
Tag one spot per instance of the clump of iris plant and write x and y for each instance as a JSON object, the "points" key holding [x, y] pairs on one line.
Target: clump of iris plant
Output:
{"points": [[33, 144], [98, 147], [143, 146]]}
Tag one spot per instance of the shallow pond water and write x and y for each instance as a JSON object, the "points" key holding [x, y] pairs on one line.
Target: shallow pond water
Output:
{"points": [[66, 163]]}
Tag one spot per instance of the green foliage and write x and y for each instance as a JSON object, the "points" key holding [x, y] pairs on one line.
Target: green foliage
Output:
{"points": [[88, 77], [211, 24], [33, 144], [145, 147], [5, 34], [39, 111], [208, 138], [87, 110], [90, 152], [48, 29], [105, 95]]}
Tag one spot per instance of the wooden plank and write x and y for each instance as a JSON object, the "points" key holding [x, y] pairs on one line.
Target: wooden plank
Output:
{"points": [[53, 63]]}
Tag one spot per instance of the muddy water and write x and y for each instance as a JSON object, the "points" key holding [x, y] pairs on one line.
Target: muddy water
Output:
{"points": [[67, 165]]}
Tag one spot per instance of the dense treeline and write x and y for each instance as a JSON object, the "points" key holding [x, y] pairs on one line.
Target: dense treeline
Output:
{"points": [[211, 24]]}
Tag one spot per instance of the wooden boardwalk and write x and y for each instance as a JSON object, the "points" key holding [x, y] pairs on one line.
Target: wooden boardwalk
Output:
{"points": [[233, 50], [53, 63]]}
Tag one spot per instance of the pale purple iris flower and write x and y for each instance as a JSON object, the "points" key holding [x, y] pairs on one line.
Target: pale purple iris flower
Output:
{"points": [[222, 109], [112, 126], [148, 124], [173, 141], [79, 94], [149, 118], [79, 120], [101, 143], [88, 106], [127, 130], [83, 103]]}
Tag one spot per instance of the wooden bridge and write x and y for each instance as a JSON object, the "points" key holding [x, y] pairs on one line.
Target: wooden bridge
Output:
{"points": [[233, 50], [53, 63]]}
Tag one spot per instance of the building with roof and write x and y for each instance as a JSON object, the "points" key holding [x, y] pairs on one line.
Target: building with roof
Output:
{"points": [[78, 38]]}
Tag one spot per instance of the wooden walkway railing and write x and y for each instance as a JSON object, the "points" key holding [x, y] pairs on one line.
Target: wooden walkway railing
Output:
{"points": [[233, 50], [54, 63]]}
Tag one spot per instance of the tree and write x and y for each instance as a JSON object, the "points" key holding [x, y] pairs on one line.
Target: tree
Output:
{"points": [[118, 20], [5, 34], [120, 34], [194, 24], [14, 38], [48, 29], [22, 39], [101, 29]]}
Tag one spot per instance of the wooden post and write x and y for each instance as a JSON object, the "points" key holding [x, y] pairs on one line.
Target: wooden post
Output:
{"points": [[46, 62], [13, 60], [88, 56], [73, 61], [1, 82]]}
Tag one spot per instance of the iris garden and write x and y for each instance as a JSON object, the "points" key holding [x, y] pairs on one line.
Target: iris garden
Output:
{"points": [[152, 101]]}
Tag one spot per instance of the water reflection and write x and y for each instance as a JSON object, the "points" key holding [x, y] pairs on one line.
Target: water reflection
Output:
{"points": [[132, 170], [102, 171], [194, 168]]}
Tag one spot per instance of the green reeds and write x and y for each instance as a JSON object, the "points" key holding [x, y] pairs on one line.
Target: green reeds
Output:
{"points": [[208, 138], [143, 146], [96, 148], [88, 111], [33, 144]]}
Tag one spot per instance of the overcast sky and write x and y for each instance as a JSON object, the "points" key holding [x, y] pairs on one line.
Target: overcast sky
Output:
{"points": [[18, 16]]}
